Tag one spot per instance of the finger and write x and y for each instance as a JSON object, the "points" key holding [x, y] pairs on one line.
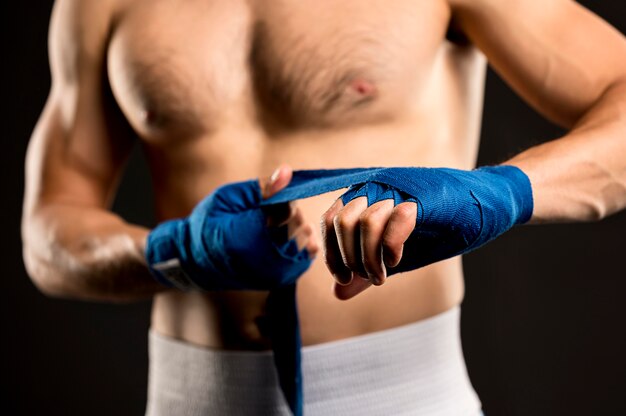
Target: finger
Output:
{"points": [[305, 239], [278, 180], [399, 227], [294, 222], [330, 245], [303, 233], [345, 292], [280, 213], [347, 229], [373, 222]]}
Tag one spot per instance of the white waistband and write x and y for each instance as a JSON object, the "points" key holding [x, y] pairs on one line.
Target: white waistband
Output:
{"points": [[416, 369]]}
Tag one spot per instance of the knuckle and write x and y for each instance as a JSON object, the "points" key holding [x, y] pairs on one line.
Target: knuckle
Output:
{"points": [[366, 222], [379, 207], [342, 221], [370, 224], [373, 217], [326, 223], [369, 221], [405, 210]]}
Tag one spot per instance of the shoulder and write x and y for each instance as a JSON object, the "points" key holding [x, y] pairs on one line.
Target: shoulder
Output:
{"points": [[78, 34]]}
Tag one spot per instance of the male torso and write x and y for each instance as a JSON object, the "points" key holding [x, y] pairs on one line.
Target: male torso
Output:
{"points": [[225, 90]]}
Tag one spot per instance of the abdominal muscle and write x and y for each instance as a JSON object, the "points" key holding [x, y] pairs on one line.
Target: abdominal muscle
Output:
{"points": [[229, 320]]}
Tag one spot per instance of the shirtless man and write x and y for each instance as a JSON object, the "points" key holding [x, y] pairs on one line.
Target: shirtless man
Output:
{"points": [[227, 90]]}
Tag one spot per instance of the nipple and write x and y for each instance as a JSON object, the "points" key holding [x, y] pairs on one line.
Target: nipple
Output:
{"points": [[363, 88], [151, 118], [147, 116]]}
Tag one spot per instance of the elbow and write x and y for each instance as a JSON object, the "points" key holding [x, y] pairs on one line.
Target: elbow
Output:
{"points": [[595, 213], [38, 259], [43, 277], [614, 199], [46, 264], [74, 282], [610, 200], [57, 284], [50, 289]]}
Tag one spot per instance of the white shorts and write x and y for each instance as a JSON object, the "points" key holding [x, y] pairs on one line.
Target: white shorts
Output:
{"points": [[416, 369]]}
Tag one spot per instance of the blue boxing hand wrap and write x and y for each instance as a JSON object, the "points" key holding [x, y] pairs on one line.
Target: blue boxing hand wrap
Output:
{"points": [[458, 211], [225, 244]]}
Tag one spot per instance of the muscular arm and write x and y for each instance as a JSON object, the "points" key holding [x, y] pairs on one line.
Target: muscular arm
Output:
{"points": [[570, 66], [73, 245]]}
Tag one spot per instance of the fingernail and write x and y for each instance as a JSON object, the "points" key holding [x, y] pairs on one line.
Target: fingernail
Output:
{"points": [[274, 176], [342, 280]]}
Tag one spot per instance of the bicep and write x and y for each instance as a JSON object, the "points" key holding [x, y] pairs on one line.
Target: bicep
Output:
{"points": [[555, 54], [81, 141]]}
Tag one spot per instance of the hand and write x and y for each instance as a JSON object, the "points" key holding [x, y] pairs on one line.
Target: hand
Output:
{"points": [[228, 242], [400, 219], [360, 242]]}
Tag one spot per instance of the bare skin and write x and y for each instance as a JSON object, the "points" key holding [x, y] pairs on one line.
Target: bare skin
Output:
{"points": [[228, 90]]}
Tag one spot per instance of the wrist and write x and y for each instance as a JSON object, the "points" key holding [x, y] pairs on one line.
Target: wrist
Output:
{"points": [[514, 187], [165, 260]]}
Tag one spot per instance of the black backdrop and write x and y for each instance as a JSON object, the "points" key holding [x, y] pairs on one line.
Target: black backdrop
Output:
{"points": [[543, 325]]}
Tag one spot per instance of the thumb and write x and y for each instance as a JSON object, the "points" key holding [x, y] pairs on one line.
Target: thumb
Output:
{"points": [[277, 214], [276, 181]]}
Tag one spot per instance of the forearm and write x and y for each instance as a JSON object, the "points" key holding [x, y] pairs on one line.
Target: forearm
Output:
{"points": [[582, 176], [86, 253]]}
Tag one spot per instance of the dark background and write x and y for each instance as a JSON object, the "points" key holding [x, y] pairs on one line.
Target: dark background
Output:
{"points": [[543, 323]]}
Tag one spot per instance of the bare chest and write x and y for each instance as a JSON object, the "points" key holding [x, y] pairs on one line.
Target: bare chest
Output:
{"points": [[190, 66]]}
